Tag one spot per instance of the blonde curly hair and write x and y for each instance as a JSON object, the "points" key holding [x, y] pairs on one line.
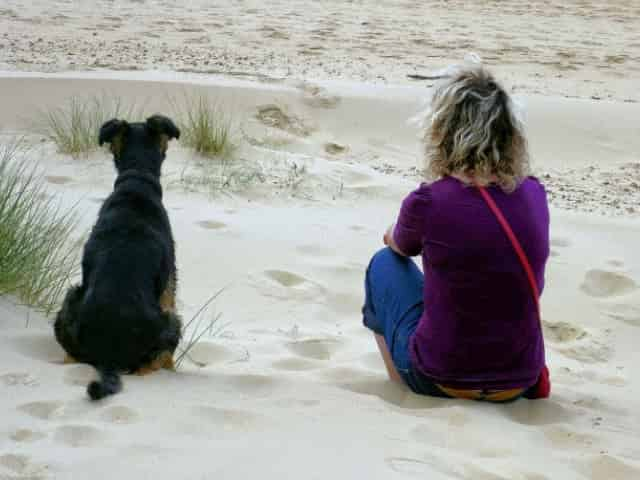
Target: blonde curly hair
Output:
{"points": [[472, 130]]}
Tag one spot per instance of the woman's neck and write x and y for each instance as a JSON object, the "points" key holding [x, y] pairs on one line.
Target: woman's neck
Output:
{"points": [[473, 179]]}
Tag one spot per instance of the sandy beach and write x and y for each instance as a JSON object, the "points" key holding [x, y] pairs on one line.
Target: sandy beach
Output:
{"points": [[291, 385], [585, 49]]}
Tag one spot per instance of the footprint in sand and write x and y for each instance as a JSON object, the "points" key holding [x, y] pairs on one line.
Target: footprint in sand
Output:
{"points": [[615, 380], [317, 97], [252, 385], [58, 179], [592, 351], [21, 467], [567, 376], [287, 285], [55, 410], [295, 365], [561, 332], [211, 225], [599, 406], [227, 419], [14, 463], [603, 283], [629, 314], [206, 353], [335, 148], [24, 435], [273, 116], [43, 410], [538, 413], [314, 250], [607, 467], [455, 416], [78, 436], [284, 278], [119, 415], [561, 437], [316, 348], [576, 343], [18, 380]]}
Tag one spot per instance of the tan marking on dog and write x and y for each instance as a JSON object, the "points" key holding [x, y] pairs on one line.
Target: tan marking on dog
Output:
{"points": [[168, 297], [117, 145], [164, 143], [164, 360], [68, 359]]}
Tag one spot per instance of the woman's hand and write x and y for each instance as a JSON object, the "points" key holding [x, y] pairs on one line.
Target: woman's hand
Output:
{"points": [[390, 242], [388, 236]]}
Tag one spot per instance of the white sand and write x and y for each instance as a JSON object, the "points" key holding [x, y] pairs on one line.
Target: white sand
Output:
{"points": [[293, 386]]}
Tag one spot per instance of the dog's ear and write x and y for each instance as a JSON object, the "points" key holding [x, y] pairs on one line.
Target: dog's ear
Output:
{"points": [[112, 129], [113, 132], [161, 125]]}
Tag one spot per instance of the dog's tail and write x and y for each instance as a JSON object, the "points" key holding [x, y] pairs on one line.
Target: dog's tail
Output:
{"points": [[109, 383]]}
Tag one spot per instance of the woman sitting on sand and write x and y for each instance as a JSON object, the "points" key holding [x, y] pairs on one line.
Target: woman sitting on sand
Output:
{"points": [[469, 327]]}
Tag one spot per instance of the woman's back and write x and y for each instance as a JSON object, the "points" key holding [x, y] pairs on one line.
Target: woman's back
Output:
{"points": [[480, 326], [469, 326]]}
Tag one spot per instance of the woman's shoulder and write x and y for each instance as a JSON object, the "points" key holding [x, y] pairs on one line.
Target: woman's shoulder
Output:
{"points": [[448, 186], [420, 198], [533, 183]]}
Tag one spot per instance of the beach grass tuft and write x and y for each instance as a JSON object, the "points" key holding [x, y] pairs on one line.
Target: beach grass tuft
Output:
{"points": [[205, 126], [37, 256], [74, 127]]}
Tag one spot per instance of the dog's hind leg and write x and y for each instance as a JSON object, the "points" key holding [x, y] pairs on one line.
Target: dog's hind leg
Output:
{"points": [[168, 296], [167, 344], [66, 324], [163, 361]]}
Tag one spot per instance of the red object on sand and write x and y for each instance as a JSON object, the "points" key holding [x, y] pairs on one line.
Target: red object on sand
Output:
{"points": [[542, 389]]}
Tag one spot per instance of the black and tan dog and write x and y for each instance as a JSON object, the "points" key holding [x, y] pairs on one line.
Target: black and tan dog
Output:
{"points": [[122, 317]]}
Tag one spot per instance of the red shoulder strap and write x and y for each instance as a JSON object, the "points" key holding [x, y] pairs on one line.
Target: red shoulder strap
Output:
{"points": [[516, 246]]}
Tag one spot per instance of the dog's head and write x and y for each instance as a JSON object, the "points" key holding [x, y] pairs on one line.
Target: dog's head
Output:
{"points": [[140, 145]]}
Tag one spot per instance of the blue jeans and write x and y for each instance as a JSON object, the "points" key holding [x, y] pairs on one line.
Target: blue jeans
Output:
{"points": [[393, 307]]}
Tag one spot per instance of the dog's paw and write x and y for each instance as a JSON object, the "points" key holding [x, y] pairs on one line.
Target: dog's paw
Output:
{"points": [[162, 361]]}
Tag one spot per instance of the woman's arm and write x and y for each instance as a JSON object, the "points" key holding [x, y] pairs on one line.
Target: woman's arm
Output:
{"points": [[407, 237], [390, 242]]}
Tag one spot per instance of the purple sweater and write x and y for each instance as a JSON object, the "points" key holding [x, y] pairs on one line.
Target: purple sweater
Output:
{"points": [[479, 328]]}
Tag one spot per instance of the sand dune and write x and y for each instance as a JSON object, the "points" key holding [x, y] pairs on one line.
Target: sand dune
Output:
{"points": [[292, 385]]}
